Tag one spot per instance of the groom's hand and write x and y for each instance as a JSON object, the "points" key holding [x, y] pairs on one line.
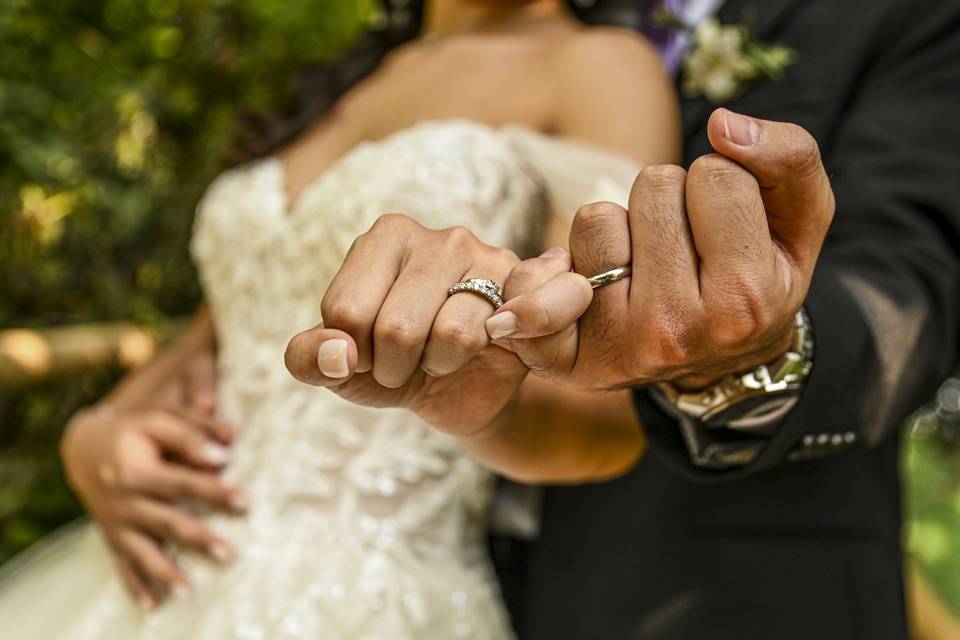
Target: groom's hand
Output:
{"points": [[722, 258], [391, 336]]}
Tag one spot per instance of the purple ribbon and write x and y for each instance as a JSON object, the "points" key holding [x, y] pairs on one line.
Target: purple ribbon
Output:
{"points": [[670, 42]]}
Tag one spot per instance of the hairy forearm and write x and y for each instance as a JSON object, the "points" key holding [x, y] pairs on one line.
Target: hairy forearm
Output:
{"points": [[555, 435], [141, 385]]}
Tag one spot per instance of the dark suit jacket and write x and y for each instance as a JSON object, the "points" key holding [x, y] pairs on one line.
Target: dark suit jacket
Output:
{"points": [[804, 542]]}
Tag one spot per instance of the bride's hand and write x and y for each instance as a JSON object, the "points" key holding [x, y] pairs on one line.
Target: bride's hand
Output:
{"points": [[391, 336], [131, 469]]}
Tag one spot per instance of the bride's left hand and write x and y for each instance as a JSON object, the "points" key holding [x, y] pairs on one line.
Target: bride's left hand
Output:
{"points": [[391, 336]]}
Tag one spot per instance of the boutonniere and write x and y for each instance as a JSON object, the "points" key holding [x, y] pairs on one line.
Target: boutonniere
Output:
{"points": [[723, 60]]}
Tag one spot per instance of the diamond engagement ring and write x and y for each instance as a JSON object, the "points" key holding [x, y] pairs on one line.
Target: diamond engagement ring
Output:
{"points": [[486, 289]]}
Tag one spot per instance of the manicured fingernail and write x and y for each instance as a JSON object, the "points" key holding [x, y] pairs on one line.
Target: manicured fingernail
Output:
{"points": [[181, 591], [145, 602], [555, 251], [740, 130], [239, 501], [214, 454], [502, 325], [332, 359], [221, 552]]}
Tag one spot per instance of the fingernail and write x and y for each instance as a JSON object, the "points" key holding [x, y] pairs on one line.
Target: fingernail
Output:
{"points": [[502, 325], [332, 359], [555, 251], [181, 591], [221, 552], [239, 501], [214, 454], [740, 130], [145, 602]]}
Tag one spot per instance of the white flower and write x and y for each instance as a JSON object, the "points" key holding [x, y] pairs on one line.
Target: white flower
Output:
{"points": [[716, 64], [723, 59]]}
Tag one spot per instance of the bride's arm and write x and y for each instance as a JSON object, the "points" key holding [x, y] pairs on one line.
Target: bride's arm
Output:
{"points": [[198, 343], [557, 435], [151, 444], [612, 93]]}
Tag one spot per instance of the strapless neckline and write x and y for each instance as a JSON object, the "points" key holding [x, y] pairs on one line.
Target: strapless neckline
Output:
{"points": [[290, 207]]}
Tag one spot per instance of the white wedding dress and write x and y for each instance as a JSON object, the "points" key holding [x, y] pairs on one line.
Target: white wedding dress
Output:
{"points": [[365, 523]]}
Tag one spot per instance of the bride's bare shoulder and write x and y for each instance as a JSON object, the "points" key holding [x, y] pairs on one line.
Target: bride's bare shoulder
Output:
{"points": [[607, 44], [612, 90]]}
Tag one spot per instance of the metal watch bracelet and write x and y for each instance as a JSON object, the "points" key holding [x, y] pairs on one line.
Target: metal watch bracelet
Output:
{"points": [[753, 400]]}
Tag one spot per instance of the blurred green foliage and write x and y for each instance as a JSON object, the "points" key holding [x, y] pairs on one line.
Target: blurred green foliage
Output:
{"points": [[114, 115], [931, 473]]}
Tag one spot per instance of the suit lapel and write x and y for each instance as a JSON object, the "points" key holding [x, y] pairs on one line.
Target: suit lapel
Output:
{"points": [[768, 17]]}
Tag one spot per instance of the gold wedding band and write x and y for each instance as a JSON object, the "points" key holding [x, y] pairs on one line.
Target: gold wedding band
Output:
{"points": [[609, 277]]}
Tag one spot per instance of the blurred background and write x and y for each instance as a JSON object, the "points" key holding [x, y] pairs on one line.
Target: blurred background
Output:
{"points": [[114, 116]]}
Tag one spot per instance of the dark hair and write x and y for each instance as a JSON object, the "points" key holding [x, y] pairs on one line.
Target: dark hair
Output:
{"points": [[318, 89]]}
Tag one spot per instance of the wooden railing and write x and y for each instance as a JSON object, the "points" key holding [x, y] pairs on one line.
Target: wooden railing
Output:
{"points": [[32, 355]]}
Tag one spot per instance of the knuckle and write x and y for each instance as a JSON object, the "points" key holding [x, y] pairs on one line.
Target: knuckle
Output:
{"points": [[523, 277], [599, 236], [661, 176], [462, 334], [595, 215], [399, 331], [502, 255], [802, 153], [458, 238], [523, 271], [392, 223], [359, 242], [717, 170], [342, 312]]}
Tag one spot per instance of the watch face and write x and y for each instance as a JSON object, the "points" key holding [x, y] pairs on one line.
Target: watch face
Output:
{"points": [[755, 412]]}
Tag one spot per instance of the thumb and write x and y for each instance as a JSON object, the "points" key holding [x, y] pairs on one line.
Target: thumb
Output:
{"points": [[785, 160], [321, 357]]}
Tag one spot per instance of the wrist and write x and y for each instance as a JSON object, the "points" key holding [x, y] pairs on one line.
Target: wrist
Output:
{"points": [[753, 398], [782, 342]]}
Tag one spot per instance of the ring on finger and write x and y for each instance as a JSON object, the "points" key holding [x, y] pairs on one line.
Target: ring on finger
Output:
{"points": [[486, 289]]}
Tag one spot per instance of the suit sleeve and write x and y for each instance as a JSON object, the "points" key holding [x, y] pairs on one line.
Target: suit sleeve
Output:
{"points": [[885, 298]]}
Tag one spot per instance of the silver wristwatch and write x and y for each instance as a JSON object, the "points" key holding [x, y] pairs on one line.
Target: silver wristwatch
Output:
{"points": [[753, 401]]}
